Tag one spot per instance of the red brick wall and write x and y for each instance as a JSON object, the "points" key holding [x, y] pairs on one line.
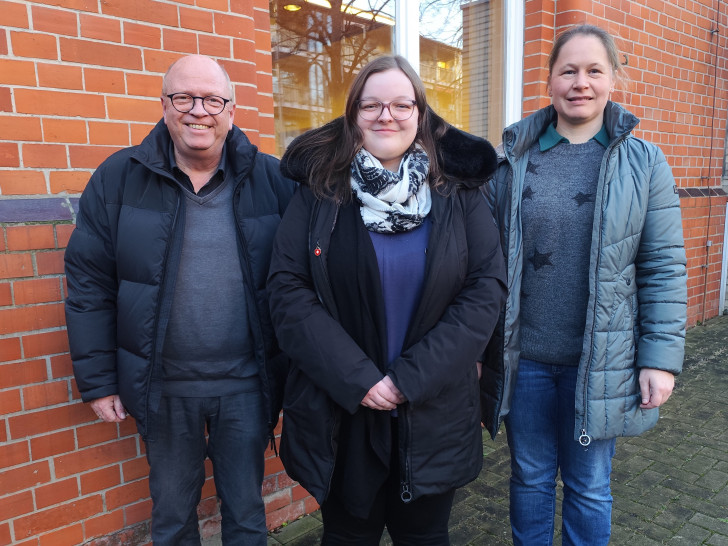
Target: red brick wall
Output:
{"points": [[80, 79], [677, 72]]}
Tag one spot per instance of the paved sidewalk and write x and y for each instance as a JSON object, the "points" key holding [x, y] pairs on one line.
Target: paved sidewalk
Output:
{"points": [[670, 485]]}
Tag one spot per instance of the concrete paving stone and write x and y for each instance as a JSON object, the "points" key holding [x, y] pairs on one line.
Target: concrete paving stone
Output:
{"points": [[717, 540], [680, 486], [689, 535], [673, 517], [713, 479], [296, 529], [716, 525]]}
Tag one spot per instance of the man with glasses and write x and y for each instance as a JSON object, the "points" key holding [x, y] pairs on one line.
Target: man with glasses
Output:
{"points": [[167, 312]]}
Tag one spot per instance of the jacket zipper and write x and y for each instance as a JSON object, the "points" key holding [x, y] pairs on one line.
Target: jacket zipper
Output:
{"points": [[584, 437], [405, 479]]}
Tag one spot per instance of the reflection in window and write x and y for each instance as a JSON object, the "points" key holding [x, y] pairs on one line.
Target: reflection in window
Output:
{"points": [[461, 62], [318, 47]]}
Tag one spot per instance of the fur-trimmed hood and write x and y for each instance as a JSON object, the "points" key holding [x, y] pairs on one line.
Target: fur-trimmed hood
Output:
{"points": [[468, 159]]}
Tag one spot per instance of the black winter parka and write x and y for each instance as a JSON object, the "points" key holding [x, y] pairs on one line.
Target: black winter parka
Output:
{"points": [[464, 289], [121, 263]]}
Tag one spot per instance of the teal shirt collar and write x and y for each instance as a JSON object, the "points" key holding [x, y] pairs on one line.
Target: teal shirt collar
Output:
{"points": [[550, 138]]}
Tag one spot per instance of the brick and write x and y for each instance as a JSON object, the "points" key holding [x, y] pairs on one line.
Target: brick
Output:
{"points": [[195, 19], [230, 25], [13, 14], [108, 133], [179, 40], [17, 72], [54, 518], [45, 155], [6, 297], [52, 444], [39, 46], [144, 85], [68, 182], [100, 28], [104, 81], [105, 524], [138, 512], [24, 477], [46, 343], [9, 155], [14, 454], [63, 231], [37, 291], [135, 469], [65, 130], [149, 11], [96, 433], [98, 480], [12, 506], [45, 395], [142, 35], [10, 403], [72, 534], [61, 366], [15, 265], [101, 54], [214, 46], [89, 157], [134, 109], [139, 131], [56, 493], [127, 494], [54, 21], [159, 61], [26, 319], [23, 182], [83, 460], [219, 5], [6, 104], [10, 349], [58, 103], [48, 263], [34, 237], [47, 420]]}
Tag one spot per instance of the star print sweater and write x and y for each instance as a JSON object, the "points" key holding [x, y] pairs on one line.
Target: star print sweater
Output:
{"points": [[557, 208]]}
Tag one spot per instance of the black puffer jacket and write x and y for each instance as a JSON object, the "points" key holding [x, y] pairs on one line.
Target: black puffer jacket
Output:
{"points": [[464, 288], [121, 263]]}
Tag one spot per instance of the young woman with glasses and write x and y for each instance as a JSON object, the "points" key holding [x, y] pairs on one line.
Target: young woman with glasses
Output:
{"points": [[386, 281]]}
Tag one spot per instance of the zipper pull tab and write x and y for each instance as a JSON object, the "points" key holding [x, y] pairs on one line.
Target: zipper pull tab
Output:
{"points": [[405, 494], [584, 439], [317, 251]]}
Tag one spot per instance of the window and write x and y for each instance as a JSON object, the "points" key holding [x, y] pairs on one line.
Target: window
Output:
{"points": [[318, 47]]}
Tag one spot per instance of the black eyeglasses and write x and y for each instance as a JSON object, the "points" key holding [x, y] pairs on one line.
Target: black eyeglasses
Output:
{"points": [[184, 103], [400, 110]]}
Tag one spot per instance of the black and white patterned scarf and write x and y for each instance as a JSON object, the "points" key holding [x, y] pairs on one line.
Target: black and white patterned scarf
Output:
{"points": [[392, 202]]}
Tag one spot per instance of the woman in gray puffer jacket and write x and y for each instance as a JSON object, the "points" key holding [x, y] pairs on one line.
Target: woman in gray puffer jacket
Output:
{"points": [[593, 329]]}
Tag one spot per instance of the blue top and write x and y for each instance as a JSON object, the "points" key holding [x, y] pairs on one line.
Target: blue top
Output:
{"points": [[401, 258]]}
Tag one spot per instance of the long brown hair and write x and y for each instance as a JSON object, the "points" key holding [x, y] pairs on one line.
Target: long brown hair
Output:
{"points": [[327, 152]]}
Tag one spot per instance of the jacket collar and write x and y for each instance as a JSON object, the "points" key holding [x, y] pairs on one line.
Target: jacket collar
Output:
{"points": [[153, 152], [519, 137]]}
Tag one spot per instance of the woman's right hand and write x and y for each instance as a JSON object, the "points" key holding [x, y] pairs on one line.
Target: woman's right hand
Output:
{"points": [[383, 396]]}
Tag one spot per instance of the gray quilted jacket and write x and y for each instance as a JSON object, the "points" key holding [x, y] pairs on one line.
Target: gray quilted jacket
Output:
{"points": [[637, 278]]}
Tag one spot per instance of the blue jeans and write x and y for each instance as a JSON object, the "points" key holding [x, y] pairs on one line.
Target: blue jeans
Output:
{"points": [[176, 454], [540, 429]]}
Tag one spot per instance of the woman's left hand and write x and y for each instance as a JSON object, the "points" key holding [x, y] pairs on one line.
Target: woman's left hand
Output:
{"points": [[656, 387]]}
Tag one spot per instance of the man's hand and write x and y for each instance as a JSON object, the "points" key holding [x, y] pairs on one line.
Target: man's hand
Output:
{"points": [[383, 396], [656, 387], [109, 408]]}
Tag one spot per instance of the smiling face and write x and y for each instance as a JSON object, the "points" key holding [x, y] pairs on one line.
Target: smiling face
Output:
{"points": [[386, 138], [198, 137], [580, 82]]}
